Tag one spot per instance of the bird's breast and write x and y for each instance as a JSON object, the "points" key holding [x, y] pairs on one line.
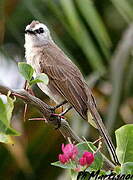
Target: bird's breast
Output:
{"points": [[33, 58]]}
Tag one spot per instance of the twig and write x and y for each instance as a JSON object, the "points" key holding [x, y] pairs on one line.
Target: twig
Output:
{"points": [[46, 111], [99, 147], [97, 140]]}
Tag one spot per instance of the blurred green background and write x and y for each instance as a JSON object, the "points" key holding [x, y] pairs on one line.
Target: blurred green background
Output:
{"points": [[98, 36]]}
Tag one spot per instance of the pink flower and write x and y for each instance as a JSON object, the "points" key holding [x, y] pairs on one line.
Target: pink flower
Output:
{"points": [[82, 161], [86, 159], [63, 159], [70, 151]]}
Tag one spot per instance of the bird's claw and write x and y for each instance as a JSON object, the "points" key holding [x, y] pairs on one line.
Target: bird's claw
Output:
{"points": [[52, 109], [56, 117]]}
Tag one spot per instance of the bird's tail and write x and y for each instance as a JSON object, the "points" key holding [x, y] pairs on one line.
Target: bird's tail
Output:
{"points": [[95, 120]]}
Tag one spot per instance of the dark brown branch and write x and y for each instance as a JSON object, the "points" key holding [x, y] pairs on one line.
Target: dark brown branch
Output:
{"points": [[46, 111]]}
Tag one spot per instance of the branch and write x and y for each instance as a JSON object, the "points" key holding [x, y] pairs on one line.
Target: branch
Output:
{"points": [[46, 111]]}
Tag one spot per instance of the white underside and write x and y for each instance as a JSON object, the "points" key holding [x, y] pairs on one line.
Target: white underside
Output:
{"points": [[33, 55]]}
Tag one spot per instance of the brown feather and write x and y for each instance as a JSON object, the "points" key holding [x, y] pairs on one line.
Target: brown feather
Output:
{"points": [[65, 77]]}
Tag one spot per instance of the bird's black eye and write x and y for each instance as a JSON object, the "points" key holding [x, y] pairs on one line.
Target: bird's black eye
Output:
{"points": [[41, 30], [37, 31]]}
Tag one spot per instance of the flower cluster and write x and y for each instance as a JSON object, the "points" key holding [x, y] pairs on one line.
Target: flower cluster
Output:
{"points": [[70, 152]]}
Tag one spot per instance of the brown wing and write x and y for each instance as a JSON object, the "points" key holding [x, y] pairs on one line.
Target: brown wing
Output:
{"points": [[65, 77]]}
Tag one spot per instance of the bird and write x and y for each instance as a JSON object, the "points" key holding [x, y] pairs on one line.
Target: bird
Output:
{"points": [[66, 83]]}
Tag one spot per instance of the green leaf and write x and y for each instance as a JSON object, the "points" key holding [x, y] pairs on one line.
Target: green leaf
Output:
{"points": [[9, 107], [68, 165], [93, 19], [26, 70], [6, 139], [117, 169], [98, 162], [81, 35], [5, 129], [5, 117], [41, 78], [124, 140], [124, 8], [127, 168]]}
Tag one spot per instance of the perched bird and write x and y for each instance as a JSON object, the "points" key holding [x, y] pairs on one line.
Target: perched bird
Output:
{"points": [[66, 83]]}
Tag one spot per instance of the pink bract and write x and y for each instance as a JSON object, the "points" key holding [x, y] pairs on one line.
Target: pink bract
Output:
{"points": [[63, 159], [70, 150], [82, 161], [86, 159]]}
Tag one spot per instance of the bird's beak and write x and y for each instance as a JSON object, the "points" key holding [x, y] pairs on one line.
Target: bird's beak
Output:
{"points": [[28, 31]]}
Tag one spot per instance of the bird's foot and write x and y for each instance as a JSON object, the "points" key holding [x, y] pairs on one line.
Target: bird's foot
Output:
{"points": [[52, 109], [57, 119]]}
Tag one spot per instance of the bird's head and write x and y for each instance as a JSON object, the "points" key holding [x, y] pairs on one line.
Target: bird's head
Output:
{"points": [[37, 34]]}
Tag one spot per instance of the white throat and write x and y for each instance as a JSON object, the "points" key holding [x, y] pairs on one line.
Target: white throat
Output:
{"points": [[31, 46], [36, 38]]}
